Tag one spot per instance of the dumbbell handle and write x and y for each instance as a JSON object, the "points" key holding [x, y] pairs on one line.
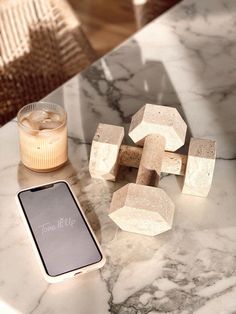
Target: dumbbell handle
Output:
{"points": [[149, 169], [173, 163]]}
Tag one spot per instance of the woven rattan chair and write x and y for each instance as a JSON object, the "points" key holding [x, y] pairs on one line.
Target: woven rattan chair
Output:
{"points": [[41, 46], [147, 10]]}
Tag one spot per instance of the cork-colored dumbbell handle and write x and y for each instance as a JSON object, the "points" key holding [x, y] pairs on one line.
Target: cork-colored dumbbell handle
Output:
{"points": [[173, 163], [150, 164]]}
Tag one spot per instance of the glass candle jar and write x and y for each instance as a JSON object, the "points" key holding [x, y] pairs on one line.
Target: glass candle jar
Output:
{"points": [[43, 136]]}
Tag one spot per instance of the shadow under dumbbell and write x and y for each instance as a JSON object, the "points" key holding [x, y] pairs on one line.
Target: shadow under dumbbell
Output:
{"points": [[166, 95]]}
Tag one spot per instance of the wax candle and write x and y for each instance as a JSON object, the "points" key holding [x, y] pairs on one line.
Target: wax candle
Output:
{"points": [[43, 136]]}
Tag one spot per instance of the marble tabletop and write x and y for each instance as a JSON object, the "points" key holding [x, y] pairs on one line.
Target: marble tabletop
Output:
{"points": [[187, 59]]}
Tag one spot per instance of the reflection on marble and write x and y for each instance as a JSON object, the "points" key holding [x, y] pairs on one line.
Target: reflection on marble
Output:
{"points": [[192, 62], [186, 59]]}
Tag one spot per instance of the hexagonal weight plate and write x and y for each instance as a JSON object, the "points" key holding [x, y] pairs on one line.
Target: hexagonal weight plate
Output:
{"points": [[200, 167], [162, 120], [106, 143], [142, 209]]}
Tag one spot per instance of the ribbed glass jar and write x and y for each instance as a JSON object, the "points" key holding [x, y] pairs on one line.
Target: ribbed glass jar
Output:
{"points": [[43, 136]]}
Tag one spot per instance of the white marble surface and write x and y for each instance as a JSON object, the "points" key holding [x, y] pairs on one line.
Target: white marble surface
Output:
{"points": [[187, 59]]}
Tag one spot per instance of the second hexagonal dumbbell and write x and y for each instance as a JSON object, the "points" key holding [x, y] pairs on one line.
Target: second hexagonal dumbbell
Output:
{"points": [[139, 207]]}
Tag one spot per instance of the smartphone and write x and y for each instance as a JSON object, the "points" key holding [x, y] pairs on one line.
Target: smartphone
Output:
{"points": [[63, 241]]}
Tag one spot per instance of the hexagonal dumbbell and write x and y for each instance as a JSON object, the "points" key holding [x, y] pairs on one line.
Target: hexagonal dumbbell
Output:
{"points": [[107, 154], [139, 207]]}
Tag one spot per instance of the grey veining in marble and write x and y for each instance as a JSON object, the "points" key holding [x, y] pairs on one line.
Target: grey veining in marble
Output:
{"points": [[187, 59]]}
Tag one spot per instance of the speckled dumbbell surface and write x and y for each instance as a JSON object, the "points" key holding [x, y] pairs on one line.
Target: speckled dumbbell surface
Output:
{"points": [[159, 130]]}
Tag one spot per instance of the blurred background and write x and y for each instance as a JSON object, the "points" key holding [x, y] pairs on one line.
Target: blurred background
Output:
{"points": [[43, 43], [108, 23]]}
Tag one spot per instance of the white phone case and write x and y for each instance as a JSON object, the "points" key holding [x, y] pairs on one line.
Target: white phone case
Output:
{"points": [[79, 271]]}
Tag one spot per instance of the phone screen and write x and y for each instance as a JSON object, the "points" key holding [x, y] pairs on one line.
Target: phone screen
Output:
{"points": [[62, 236]]}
